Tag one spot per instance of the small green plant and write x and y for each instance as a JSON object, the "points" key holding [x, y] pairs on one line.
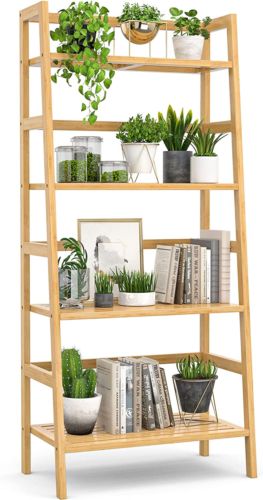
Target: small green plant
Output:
{"points": [[136, 12], [77, 383], [188, 24], [204, 143], [134, 281], [193, 368], [139, 129], [78, 257], [180, 129], [103, 283], [84, 34]]}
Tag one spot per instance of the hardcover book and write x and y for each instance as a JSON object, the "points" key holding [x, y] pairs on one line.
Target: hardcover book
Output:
{"points": [[167, 396], [188, 276], [148, 420], [162, 269], [179, 293], [213, 245], [108, 384], [137, 392], [224, 261], [164, 409]]}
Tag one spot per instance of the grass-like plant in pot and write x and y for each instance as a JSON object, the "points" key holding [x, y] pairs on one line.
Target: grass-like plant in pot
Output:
{"points": [[204, 162], [195, 382], [135, 288], [84, 35], [180, 131], [103, 290], [81, 403], [140, 138], [139, 23], [73, 274], [189, 33]]}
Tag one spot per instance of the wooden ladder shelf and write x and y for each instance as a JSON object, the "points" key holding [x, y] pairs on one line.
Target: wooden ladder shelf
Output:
{"points": [[49, 373]]}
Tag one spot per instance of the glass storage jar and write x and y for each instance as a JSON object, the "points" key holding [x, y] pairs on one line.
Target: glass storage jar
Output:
{"points": [[93, 147], [71, 164], [114, 171]]}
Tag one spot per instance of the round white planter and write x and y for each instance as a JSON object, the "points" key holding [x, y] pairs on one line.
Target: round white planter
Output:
{"points": [[140, 156], [80, 414], [204, 169], [137, 299], [188, 47]]}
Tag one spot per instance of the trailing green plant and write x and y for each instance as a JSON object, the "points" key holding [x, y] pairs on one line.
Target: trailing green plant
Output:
{"points": [[180, 129], [193, 368], [91, 379], [78, 257], [134, 281], [188, 24], [136, 12], [103, 283], [139, 129], [204, 143], [84, 34], [77, 383]]}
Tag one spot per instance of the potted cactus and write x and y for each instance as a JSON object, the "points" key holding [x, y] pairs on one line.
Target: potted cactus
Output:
{"points": [[81, 403], [103, 290], [135, 288]]}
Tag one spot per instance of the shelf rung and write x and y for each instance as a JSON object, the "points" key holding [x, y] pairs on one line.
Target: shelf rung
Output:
{"points": [[39, 249], [39, 374], [134, 186], [231, 365], [33, 123]]}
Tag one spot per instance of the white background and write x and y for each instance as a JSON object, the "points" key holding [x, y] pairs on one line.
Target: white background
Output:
{"points": [[158, 471]]}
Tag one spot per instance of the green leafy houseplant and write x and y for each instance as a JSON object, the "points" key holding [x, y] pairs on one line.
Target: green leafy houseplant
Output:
{"points": [[180, 129], [77, 382], [134, 281], [193, 368], [78, 257], [204, 143], [188, 24], [142, 130], [103, 283], [136, 12], [84, 34], [73, 264]]}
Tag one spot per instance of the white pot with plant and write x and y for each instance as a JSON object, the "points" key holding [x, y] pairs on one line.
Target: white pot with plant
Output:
{"points": [[139, 23], [204, 162], [135, 288], [189, 34], [81, 403]]}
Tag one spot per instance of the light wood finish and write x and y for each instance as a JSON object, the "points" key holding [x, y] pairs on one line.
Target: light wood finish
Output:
{"points": [[39, 374], [33, 123], [231, 365], [134, 186], [248, 400]]}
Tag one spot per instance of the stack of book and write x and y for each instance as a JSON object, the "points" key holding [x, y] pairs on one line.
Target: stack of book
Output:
{"points": [[195, 273], [135, 395]]}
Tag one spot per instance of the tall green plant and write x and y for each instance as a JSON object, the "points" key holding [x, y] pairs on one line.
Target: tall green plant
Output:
{"points": [[134, 281], [188, 24], [204, 143], [180, 129], [193, 368]]}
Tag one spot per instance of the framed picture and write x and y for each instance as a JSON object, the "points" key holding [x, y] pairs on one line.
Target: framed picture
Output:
{"points": [[111, 243]]}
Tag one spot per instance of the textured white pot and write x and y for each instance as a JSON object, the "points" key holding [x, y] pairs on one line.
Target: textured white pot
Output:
{"points": [[140, 156], [188, 47], [137, 299], [204, 169], [80, 414]]}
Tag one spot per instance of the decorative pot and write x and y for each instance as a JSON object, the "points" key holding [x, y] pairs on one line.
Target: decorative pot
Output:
{"points": [[90, 37], [73, 286], [195, 395], [204, 169], [137, 299], [103, 299], [140, 32], [140, 156], [176, 166], [80, 414], [188, 47]]}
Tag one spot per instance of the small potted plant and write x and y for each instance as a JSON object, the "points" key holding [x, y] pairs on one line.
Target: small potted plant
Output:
{"points": [[195, 382], [103, 290], [140, 138], [180, 131], [73, 274], [189, 34], [135, 288], [139, 23], [204, 162], [81, 403]]}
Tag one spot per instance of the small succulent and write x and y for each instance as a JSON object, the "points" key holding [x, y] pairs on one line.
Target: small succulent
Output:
{"points": [[180, 129], [204, 142], [193, 368]]}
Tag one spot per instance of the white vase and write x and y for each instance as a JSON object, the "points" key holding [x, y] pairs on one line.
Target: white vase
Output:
{"points": [[140, 156], [188, 47], [136, 299], [80, 414], [204, 169]]}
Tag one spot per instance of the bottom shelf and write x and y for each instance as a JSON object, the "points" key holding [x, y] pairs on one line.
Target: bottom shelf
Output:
{"points": [[101, 440]]}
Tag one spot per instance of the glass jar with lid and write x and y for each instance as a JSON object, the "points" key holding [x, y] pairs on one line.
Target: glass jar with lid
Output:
{"points": [[93, 147], [114, 171], [71, 164]]}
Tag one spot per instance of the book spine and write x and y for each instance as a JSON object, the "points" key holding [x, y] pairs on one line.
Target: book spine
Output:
{"points": [[203, 275], [162, 271], [129, 398], [116, 397], [148, 421], [164, 409], [137, 397], [179, 294], [156, 399], [123, 399], [188, 277], [167, 397], [214, 273], [195, 275], [208, 276], [173, 275]]}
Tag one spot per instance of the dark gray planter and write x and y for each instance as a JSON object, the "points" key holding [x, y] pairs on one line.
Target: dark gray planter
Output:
{"points": [[103, 299], [191, 391], [176, 166]]}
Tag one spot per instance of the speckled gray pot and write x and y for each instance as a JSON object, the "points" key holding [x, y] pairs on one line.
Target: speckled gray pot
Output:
{"points": [[191, 391], [103, 299], [80, 414], [176, 166]]}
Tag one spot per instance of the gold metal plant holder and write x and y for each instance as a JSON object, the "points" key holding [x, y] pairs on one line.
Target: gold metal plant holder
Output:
{"points": [[140, 32]]}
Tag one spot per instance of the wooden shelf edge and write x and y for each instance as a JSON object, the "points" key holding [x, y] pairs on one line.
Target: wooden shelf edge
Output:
{"points": [[129, 186]]}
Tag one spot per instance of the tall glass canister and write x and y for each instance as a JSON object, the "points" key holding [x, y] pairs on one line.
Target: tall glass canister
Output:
{"points": [[93, 147], [71, 164]]}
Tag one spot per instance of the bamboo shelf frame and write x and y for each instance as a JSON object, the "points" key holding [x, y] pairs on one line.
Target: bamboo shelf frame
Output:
{"points": [[49, 372]]}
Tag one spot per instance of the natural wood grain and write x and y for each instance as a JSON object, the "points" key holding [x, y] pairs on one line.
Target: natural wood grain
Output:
{"points": [[33, 123], [231, 365], [39, 374], [134, 186]]}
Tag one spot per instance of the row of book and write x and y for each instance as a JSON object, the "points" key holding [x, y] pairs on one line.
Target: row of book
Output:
{"points": [[135, 395], [195, 273]]}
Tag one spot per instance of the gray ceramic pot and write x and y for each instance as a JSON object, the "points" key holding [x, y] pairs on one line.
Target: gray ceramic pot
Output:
{"points": [[191, 391], [103, 299], [80, 414], [176, 166]]}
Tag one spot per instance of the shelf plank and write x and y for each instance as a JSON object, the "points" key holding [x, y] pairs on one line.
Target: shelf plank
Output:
{"points": [[134, 186], [101, 440]]}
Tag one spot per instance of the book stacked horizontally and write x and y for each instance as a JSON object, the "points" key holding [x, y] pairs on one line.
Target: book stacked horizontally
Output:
{"points": [[135, 395], [195, 273]]}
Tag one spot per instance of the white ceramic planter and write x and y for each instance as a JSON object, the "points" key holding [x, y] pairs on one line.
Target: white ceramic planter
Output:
{"points": [[137, 299], [204, 169], [80, 414], [188, 47], [140, 156]]}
